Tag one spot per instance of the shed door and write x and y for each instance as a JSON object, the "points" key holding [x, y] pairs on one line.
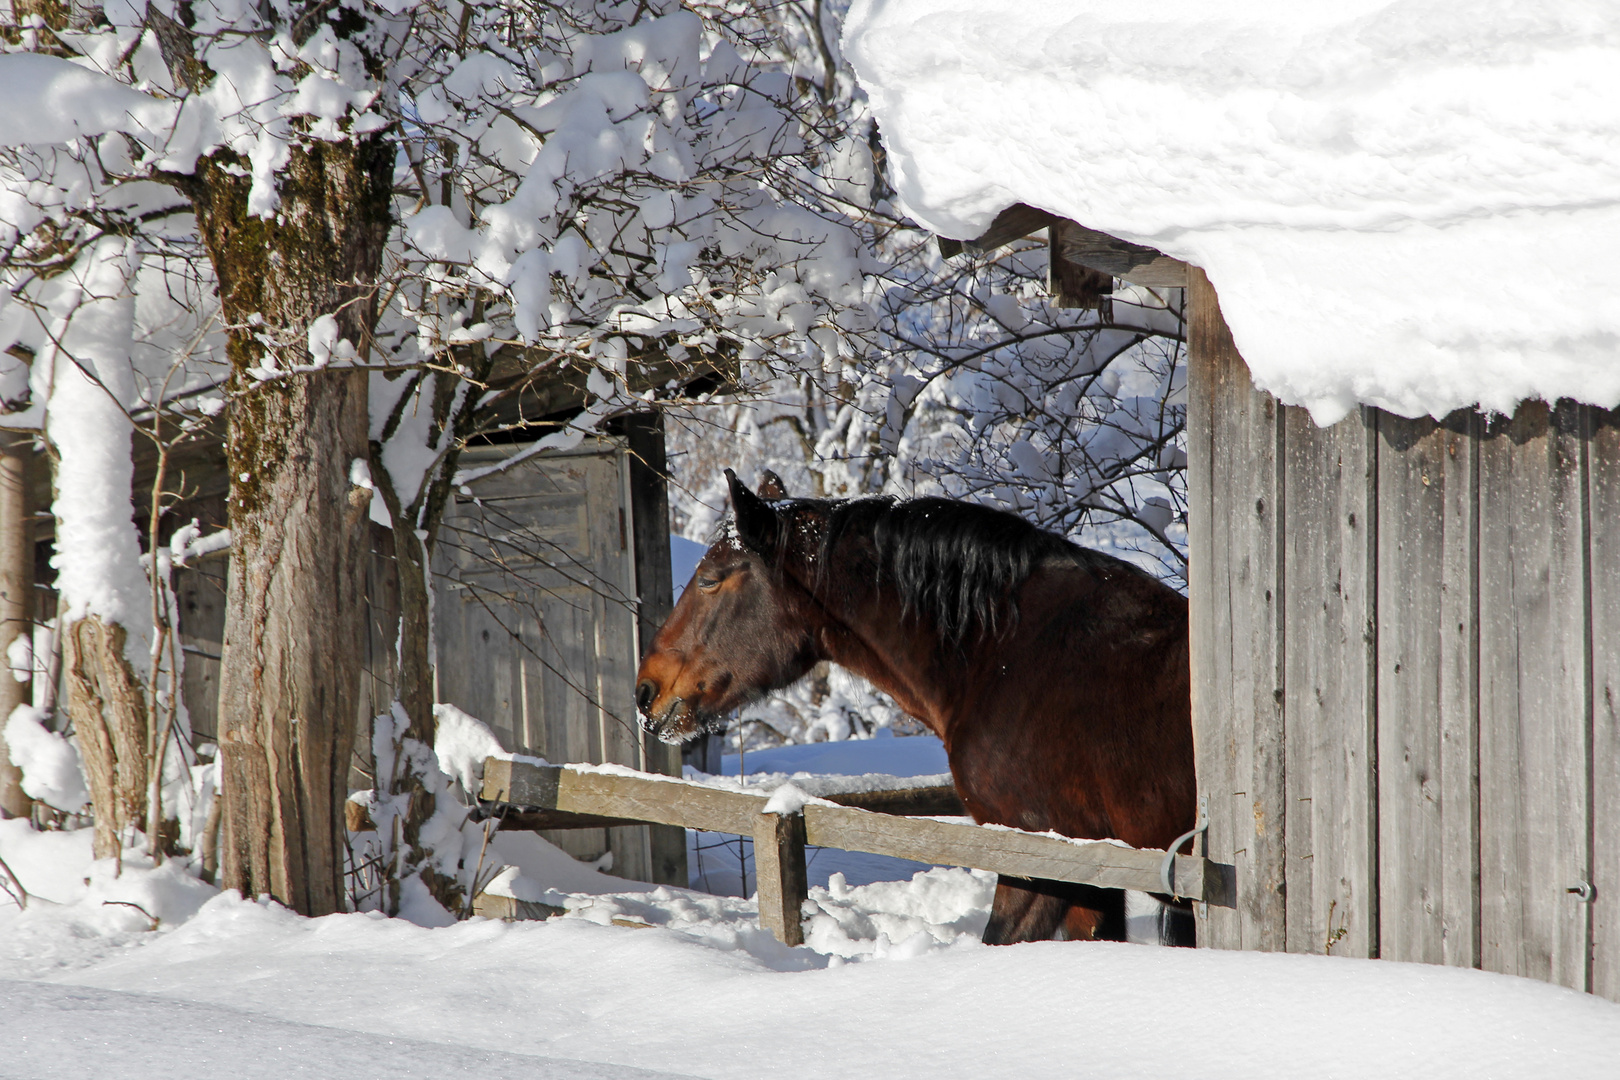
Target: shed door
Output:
{"points": [[536, 619]]}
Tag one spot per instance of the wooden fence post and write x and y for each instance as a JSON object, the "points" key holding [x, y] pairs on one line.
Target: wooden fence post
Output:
{"points": [[779, 867]]}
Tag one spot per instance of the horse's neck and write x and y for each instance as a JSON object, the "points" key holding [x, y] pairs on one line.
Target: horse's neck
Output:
{"points": [[864, 633]]}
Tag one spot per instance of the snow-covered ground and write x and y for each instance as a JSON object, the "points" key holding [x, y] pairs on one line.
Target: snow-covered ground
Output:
{"points": [[892, 982]]}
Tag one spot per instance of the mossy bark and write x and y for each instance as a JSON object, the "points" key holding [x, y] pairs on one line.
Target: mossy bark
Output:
{"points": [[294, 619]]}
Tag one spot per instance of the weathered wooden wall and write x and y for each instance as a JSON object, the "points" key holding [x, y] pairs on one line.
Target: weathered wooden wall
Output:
{"points": [[537, 624], [1406, 658]]}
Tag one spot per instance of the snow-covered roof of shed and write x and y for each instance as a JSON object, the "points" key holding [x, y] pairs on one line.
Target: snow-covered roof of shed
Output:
{"points": [[1403, 203]]}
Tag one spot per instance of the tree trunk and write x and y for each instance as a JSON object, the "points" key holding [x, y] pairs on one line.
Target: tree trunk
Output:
{"points": [[294, 627], [416, 697], [108, 706], [16, 600], [294, 616]]}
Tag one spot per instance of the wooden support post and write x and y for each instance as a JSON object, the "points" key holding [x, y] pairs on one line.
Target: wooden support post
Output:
{"points": [[16, 600], [779, 866], [649, 498], [1235, 443]]}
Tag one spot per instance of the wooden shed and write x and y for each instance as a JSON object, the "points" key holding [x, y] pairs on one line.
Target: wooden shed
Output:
{"points": [[549, 576], [1406, 660]]}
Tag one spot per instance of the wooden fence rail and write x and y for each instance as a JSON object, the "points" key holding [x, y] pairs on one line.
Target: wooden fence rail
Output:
{"points": [[780, 839]]}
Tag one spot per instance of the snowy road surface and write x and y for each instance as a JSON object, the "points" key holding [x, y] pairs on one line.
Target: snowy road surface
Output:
{"points": [[75, 1033]]}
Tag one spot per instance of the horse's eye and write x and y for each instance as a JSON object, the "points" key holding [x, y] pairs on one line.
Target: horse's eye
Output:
{"points": [[708, 584]]}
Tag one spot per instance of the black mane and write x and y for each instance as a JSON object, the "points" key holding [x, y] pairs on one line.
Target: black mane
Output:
{"points": [[954, 563]]}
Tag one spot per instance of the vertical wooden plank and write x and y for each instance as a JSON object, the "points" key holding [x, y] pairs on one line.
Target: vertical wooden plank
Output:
{"points": [[649, 516], [200, 597], [1533, 696], [779, 868], [1211, 720], [1427, 706], [1603, 465], [1237, 644], [556, 687], [613, 592], [1411, 540], [649, 506], [1459, 691], [1329, 565], [615, 653], [380, 681], [199, 592], [16, 599]]}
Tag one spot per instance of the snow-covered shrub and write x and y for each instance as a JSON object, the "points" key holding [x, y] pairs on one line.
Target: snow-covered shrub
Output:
{"points": [[50, 763]]}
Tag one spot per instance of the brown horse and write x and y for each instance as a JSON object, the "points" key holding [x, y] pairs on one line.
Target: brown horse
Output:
{"points": [[1056, 676]]}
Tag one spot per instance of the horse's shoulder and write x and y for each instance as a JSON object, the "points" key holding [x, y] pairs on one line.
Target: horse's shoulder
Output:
{"points": [[1100, 594], [1105, 568]]}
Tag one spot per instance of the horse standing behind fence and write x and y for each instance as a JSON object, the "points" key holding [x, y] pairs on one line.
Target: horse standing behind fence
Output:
{"points": [[1056, 676]]}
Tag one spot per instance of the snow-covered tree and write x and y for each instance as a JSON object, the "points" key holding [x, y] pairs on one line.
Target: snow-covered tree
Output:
{"points": [[405, 220], [616, 197]]}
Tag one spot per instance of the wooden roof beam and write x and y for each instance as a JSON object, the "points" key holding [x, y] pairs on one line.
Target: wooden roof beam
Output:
{"points": [[1137, 264]]}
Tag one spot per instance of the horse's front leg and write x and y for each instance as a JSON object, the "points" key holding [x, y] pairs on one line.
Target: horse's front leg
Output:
{"points": [[1035, 909]]}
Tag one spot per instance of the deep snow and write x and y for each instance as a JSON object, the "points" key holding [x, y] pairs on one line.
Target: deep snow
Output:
{"points": [[892, 982], [701, 992], [1399, 202]]}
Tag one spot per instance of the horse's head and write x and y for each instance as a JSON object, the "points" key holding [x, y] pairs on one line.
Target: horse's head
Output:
{"points": [[739, 630]]}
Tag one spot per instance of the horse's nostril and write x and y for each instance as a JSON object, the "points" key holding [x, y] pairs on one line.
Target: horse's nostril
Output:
{"points": [[646, 694]]}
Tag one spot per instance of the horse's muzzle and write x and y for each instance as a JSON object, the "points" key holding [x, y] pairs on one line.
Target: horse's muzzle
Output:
{"points": [[679, 722]]}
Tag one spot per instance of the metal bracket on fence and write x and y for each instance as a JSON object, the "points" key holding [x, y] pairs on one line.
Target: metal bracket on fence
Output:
{"points": [[1167, 869]]}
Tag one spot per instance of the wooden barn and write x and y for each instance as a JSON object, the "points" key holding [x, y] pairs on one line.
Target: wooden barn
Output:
{"points": [[1406, 661]]}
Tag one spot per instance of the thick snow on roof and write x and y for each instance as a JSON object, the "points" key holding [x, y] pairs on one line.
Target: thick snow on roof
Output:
{"points": [[1410, 204]]}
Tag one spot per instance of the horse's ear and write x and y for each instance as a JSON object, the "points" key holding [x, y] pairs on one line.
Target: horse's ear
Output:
{"points": [[771, 486], [757, 525]]}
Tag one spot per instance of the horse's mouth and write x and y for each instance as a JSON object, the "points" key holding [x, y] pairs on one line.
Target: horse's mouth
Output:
{"points": [[682, 721]]}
